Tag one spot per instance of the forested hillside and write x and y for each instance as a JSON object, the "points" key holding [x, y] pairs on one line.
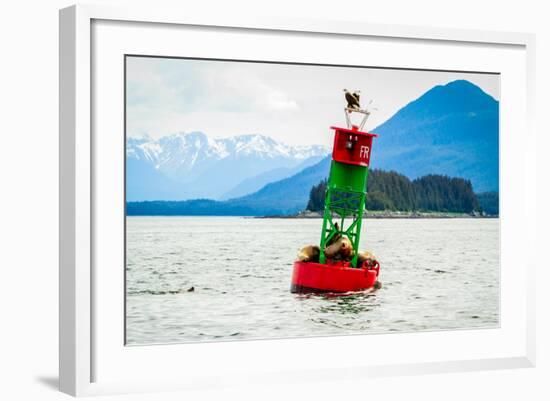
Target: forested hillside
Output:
{"points": [[394, 191]]}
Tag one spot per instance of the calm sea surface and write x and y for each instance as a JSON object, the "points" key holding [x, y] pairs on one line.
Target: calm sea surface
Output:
{"points": [[436, 274]]}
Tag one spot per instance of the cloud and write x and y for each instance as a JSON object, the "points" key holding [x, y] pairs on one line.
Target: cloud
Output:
{"points": [[187, 86], [295, 104], [236, 87], [277, 101]]}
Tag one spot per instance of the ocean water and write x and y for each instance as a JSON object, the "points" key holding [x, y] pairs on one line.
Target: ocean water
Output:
{"points": [[436, 274]]}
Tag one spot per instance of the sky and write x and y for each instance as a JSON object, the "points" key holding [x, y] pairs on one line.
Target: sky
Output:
{"points": [[294, 104]]}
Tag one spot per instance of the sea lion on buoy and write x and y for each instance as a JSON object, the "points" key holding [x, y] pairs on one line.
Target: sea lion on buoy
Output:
{"points": [[339, 249], [339, 246], [309, 253], [367, 257]]}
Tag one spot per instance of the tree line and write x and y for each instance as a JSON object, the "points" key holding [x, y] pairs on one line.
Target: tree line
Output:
{"points": [[388, 190]]}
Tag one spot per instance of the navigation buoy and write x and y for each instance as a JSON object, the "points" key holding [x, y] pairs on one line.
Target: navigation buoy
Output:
{"points": [[342, 217]]}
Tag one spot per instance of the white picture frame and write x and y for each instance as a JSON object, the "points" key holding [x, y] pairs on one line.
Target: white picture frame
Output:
{"points": [[86, 350]]}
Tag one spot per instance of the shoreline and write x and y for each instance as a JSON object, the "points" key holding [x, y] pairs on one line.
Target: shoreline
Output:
{"points": [[388, 215], [384, 215], [317, 215]]}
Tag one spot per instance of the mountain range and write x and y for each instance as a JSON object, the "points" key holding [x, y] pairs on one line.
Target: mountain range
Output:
{"points": [[451, 129], [192, 165]]}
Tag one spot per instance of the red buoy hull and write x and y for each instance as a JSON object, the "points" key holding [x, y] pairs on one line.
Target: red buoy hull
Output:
{"points": [[317, 277]]}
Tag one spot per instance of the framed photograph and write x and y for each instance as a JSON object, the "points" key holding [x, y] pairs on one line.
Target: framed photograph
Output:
{"points": [[279, 200]]}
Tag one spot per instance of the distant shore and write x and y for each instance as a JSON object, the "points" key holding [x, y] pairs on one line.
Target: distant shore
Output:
{"points": [[387, 214]]}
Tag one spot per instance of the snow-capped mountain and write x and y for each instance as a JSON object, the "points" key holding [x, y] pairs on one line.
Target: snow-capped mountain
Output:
{"points": [[198, 166]]}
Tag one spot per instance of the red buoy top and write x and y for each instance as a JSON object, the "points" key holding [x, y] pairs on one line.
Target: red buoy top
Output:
{"points": [[352, 146]]}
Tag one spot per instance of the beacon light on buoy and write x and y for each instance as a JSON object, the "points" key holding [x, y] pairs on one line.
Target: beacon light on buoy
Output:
{"points": [[344, 206]]}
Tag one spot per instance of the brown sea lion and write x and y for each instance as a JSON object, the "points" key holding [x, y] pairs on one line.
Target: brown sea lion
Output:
{"points": [[367, 257], [339, 249], [309, 253]]}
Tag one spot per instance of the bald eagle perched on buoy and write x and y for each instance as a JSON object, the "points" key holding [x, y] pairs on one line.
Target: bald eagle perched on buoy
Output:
{"points": [[352, 99]]}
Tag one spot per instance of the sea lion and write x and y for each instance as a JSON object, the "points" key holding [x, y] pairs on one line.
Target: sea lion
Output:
{"points": [[339, 249], [367, 257], [368, 260], [309, 253]]}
